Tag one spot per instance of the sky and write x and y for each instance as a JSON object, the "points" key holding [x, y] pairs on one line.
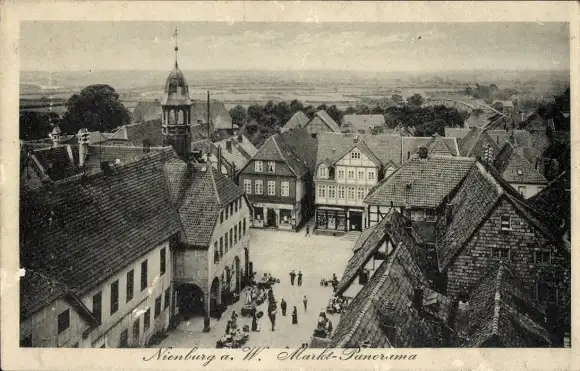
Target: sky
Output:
{"points": [[89, 45]]}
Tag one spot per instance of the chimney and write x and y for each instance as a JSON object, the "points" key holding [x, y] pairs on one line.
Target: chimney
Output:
{"points": [[418, 298], [229, 146], [423, 153], [356, 139], [84, 139], [240, 138]]}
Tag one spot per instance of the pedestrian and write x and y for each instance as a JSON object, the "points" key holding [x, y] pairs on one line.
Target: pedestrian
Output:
{"points": [[283, 307], [234, 320], [295, 316], [292, 277], [228, 327], [307, 231], [273, 319], [254, 322], [299, 278], [305, 301]]}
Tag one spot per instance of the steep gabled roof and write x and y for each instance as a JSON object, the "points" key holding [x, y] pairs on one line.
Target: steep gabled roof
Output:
{"points": [[475, 142], [553, 203], [514, 168], [57, 163], [145, 132], [363, 122], [439, 145], [199, 192], [219, 114], [146, 111], [325, 117], [499, 312], [421, 183], [333, 146], [84, 230], [298, 119], [392, 228]]}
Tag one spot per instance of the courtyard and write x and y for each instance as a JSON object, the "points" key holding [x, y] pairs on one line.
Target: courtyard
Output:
{"points": [[277, 253]]}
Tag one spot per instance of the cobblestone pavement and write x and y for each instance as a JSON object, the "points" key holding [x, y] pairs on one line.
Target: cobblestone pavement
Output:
{"points": [[278, 252]]}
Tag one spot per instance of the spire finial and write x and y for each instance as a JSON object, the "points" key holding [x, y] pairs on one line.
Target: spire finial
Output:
{"points": [[176, 48]]}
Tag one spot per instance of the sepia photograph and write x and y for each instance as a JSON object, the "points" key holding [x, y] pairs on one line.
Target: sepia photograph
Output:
{"points": [[304, 186]]}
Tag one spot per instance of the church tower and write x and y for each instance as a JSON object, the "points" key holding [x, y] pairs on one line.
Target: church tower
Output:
{"points": [[176, 107]]}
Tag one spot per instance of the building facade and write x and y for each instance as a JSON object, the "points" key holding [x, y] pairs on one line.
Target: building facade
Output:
{"points": [[321, 123]]}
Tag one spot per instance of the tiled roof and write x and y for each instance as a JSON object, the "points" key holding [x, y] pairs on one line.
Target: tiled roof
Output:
{"points": [[554, 202], [501, 313], [421, 183], [298, 119], [294, 147], [391, 228], [57, 162], [323, 115], [475, 142], [363, 122], [437, 144], [362, 238], [116, 155], [146, 132], [474, 121], [199, 192], [382, 311], [514, 168], [219, 115], [333, 146], [241, 152], [84, 230], [146, 111], [37, 291], [457, 133]]}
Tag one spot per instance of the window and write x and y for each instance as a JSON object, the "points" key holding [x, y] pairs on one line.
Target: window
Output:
{"points": [[361, 174], [136, 330], [271, 188], [340, 174], [98, 306], [351, 174], [240, 203], [522, 190], [236, 206], [222, 216], [321, 191], [341, 192], [285, 189], [543, 257], [506, 223], [227, 212], [360, 194], [162, 262], [63, 321], [147, 319], [371, 175], [502, 253], [331, 191], [216, 253], [355, 155], [258, 166], [227, 242], [244, 226], [144, 275], [157, 306], [231, 238], [167, 298], [235, 235], [351, 193], [271, 166], [124, 341], [240, 229], [114, 297], [130, 284], [323, 171], [221, 247], [259, 187]]}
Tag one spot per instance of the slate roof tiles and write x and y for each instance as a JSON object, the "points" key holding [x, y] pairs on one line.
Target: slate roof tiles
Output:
{"points": [[514, 168]]}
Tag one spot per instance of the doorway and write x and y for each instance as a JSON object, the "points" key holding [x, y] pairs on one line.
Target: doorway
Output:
{"points": [[191, 302], [355, 220], [271, 218]]}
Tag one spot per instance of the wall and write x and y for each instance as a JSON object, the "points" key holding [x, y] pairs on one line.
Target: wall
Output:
{"points": [[476, 259], [191, 266], [531, 189], [316, 125], [373, 213], [264, 197], [43, 326]]}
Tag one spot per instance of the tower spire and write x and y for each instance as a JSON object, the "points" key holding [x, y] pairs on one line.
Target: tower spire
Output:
{"points": [[176, 48]]}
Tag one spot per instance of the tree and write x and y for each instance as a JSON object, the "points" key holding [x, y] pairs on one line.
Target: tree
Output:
{"points": [[377, 110], [323, 106], [96, 107], [397, 98], [335, 113], [239, 115], [255, 112], [296, 106], [415, 100], [34, 125], [350, 110], [309, 111]]}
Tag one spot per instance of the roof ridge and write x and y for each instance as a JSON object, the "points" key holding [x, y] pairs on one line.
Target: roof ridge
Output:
{"points": [[373, 293]]}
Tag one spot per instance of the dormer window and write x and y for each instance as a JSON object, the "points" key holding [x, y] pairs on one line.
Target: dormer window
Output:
{"points": [[258, 166], [322, 171], [271, 166]]}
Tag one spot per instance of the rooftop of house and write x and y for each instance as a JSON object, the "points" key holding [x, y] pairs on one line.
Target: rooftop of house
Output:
{"points": [[475, 143], [436, 144], [478, 195], [384, 148], [142, 133], [325, 117], [554, 202], [363, 122], [391, 228], [500, 314], [199, 192], [298, 119], [382, 313], [294, 147], [421, 183], [514, 168], [238, 152], [146, 111], [219, 114], [83, 230], [56, 162]]}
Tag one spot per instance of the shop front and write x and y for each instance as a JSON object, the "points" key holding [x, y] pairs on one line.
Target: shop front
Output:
{"points": [[279, 216], [331, 219]]}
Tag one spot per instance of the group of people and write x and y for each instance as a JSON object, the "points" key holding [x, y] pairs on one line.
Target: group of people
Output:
{"points": [[293, 278], [324, 326], [333, 281], [336, 304], [233, 337]]}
